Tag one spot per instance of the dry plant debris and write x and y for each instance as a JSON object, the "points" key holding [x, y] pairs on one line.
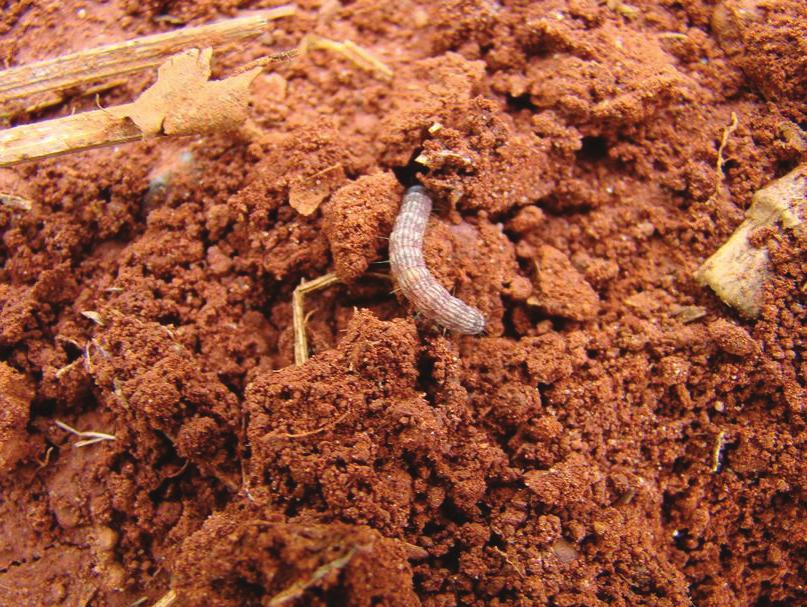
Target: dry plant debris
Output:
{"points": [[305, 196], [95, 64], [300, 338], [13, 201], [737, 271], [724, 140], [183, 101], [166, 600], [357, 55], [717, 452], [463, 448], [298, 588], [88, 437]]}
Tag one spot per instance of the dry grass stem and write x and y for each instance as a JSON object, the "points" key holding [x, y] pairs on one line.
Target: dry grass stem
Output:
{"points": [[166, 600], [93, 316], [723, 142], [687, 314], [297, 589], [50, 99], [88, 437], [13, 201], [509, 561], [95, 64], [298, 313], [717, 452], [379, 275], [357, 55]]}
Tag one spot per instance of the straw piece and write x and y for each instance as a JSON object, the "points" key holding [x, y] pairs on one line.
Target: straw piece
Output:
{"points": [[298, 314]]}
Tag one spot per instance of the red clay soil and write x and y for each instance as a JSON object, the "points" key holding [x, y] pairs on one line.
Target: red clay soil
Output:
{"points": [[618, 436]]}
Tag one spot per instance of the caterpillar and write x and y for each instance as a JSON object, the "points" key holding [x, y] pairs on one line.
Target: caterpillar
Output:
{"points": [[413, 277]]}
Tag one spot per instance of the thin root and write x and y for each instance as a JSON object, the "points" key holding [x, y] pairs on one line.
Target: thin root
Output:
{"points": [[507, 559], [298, 588], [379, 275], [316, 431], [44, 463], [88, 437], [62, 370]]}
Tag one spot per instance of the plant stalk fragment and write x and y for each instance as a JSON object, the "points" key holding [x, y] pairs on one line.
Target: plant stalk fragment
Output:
{"points": [[92, 65]]}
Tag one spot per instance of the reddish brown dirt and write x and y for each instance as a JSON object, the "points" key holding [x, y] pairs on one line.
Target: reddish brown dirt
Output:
{"points": [[617, 437]]}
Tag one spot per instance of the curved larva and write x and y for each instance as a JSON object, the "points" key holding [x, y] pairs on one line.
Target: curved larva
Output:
{"points": [[413, 277]]}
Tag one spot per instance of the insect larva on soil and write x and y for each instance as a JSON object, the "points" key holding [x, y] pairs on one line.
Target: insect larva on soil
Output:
{"points": [[413, 277]]}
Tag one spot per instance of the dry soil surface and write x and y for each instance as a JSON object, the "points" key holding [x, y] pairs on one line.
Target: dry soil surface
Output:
{"points": [[618, 436]]}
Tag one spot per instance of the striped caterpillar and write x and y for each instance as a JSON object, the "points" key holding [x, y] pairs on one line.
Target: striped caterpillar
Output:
{"points": [[413, 277]]}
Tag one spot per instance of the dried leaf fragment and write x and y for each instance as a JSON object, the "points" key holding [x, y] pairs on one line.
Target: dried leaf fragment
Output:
{"points": [[305, 195], [737, 271], [184, 100]]}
